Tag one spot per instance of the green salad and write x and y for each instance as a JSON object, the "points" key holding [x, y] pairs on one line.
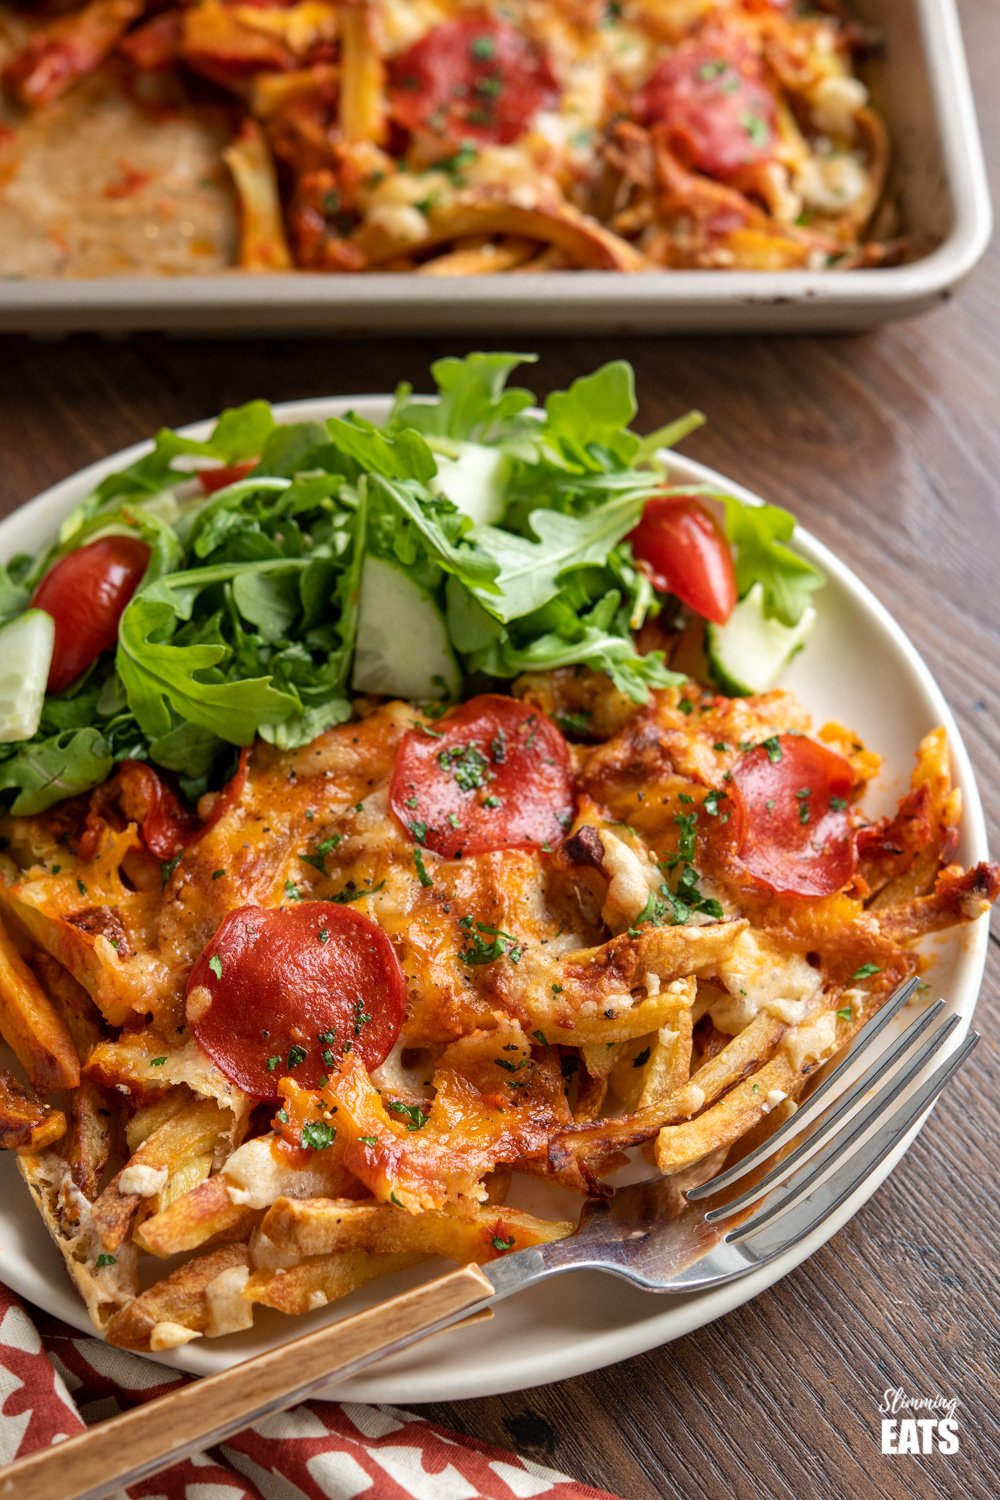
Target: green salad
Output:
{"points": [[471, 538]]}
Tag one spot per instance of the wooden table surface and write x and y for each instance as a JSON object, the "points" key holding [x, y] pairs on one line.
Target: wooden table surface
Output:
{"points": [[887, 446]]}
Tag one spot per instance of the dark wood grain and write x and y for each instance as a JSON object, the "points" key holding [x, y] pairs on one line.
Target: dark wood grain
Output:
{"points": [[888, 447]]}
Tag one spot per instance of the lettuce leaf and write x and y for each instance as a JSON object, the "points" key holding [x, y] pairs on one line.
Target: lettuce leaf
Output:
{"points": [[759, 535]]}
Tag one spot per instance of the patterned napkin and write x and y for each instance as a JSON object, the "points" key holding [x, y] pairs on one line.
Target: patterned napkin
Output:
{"points": [[54, 1381]]}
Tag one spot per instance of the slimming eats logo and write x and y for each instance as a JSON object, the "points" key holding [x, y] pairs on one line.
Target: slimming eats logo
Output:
{"points": [[918, 1424]]}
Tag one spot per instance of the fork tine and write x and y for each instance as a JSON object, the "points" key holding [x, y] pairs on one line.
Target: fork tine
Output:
{"points": [[819, 1205], [869, 1031], [840, 1146], [845, 1102]]}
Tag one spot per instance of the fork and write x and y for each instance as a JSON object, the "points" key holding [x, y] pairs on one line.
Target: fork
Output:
{"points": [[647, 1234]]}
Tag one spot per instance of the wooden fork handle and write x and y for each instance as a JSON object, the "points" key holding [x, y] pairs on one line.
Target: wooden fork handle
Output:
{"points": [[142, 1441]]}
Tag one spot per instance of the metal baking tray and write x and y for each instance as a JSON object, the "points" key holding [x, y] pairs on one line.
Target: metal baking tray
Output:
{"points": [[938, 181]]}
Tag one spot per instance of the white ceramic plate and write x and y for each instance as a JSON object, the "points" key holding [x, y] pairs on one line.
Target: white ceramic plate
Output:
{"points": [[859, 668]]}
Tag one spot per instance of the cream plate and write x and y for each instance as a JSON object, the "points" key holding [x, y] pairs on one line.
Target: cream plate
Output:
{"points": [[859, 668]]}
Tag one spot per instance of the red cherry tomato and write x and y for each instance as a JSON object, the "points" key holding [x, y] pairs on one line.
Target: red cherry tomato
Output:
{"points": [[791, 819], [712, 100], [494, 774], [86, 594], [290, 991], [217, 479], [687, 555], [471, 78]]}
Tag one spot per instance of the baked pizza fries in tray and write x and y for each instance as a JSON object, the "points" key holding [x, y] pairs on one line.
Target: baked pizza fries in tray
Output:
{"points": [[393, 813], [440, 137]]}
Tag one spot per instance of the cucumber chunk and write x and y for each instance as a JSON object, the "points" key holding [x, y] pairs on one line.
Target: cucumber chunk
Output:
{"points": [[747, 654], [26, 644], [475, 480], [403, 648]]}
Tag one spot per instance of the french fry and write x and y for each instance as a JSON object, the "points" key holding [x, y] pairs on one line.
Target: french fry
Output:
{"points": [[193, 1130], [326, 1278], [32, 1027], [27, 1123], [203, 1214], [263, 244], [297, 1228], [179, 1307]]}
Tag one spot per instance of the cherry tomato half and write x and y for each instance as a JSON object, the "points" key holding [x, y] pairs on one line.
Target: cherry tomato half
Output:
{"points": [[711, 98], [217, 479], [287, 992], [791, 817], [471, 78], [494, 774], [86, 594], [687, 555]]}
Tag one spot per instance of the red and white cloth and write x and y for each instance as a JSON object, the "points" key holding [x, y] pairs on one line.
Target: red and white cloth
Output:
{"points": [[54, 1381]]}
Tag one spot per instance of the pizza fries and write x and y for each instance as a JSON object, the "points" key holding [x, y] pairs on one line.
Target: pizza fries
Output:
{"points": [[457, 137], [321, 1032]]}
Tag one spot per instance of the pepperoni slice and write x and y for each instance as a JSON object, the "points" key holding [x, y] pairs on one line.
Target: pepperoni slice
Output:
{"points": [[495, 774], [287, 992], [791, 816], [471, 78], [712, 100]]}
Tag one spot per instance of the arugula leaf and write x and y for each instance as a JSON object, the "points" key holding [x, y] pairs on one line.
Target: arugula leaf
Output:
{"points": [[531, 571], [759, 534], [44, 771], [404, 455], [473, 399], [445, 544], [590, 420], [159, 678]]}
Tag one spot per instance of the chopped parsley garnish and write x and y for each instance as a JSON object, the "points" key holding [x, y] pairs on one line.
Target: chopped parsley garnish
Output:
{"points": [[686, 706], [157, 1062], [837, 804], [757, 129], [83, 889], [296, 1055], [419, 831], [866, 971], [846, 1013], [422, 875], [166, 870], [510, 1067], [218, 874], [352, 892], [282, 1117], [368, 1140], [411, 1113], [467, 764], [329, 1057], [483, 48], [540, 1037], [502, 1244], [492, 802], [773, 749], [326, 1037], [557, 989], [317, 1135], [394, 1199], [215, 964], [578, 723], [292, 891], [324, 934], [361, 1016], [498, 747], [104, 1259], [504, 944], [317, 858], [721, 745], [711, 802], [272, 1063], [710, 70]]}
